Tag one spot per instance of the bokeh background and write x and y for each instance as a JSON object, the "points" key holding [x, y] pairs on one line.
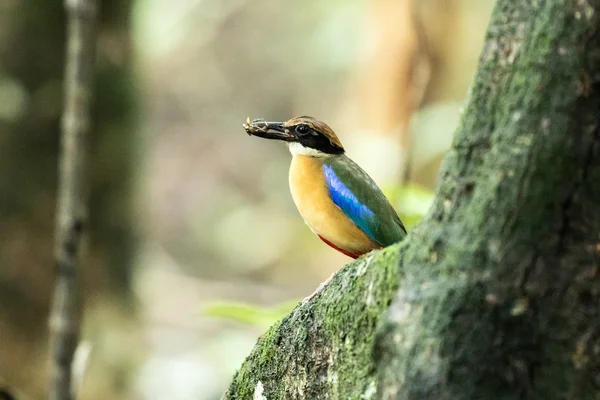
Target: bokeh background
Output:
{"points": [[195, 245]]}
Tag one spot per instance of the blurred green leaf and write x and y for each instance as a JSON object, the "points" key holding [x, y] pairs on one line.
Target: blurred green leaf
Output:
{"points": [[249, 314], [411, 201]]}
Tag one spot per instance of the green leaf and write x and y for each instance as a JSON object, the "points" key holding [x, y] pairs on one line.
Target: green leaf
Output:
{"points": [[411, 201], [249, 314]]}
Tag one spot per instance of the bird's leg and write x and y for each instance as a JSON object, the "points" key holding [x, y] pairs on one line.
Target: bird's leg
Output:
{"points": [[321, 286]]}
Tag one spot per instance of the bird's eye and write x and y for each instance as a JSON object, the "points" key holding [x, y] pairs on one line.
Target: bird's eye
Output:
{"points": [[302, 129]]}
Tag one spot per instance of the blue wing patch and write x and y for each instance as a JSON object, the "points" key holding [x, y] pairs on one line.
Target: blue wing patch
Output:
{"points": [[359, 213]]}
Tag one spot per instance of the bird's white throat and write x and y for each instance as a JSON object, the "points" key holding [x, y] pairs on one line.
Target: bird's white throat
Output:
{"points": [[297, 148]]}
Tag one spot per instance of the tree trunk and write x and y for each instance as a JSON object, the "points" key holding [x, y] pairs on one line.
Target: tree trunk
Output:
{"points": [[497, 292], [32, 40]]}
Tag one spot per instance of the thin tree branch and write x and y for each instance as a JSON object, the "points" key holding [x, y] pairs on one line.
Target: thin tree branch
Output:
{"points": [[71, 210]]}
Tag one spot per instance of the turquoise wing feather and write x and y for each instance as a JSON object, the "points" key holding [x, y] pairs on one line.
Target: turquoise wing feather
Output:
{"points": [[361, 200]]}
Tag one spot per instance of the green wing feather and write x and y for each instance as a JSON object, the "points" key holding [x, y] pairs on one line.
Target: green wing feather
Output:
{"points": [[359, 197]]}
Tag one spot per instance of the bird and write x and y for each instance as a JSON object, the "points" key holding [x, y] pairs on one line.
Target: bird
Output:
{"points": [[337, 199]]}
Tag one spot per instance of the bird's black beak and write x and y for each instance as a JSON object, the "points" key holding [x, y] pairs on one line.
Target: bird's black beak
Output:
{"points": [[268, 130]]}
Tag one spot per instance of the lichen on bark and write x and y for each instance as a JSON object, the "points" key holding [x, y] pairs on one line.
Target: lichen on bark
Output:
{"points": [[512, 294]]}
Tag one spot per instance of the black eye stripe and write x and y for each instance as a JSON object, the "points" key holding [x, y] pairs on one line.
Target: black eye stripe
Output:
{"points": [[312, 134]]}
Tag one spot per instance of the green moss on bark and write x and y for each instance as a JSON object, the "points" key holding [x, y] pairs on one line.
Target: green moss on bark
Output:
{"points": [[512, 295], [322, 349]]}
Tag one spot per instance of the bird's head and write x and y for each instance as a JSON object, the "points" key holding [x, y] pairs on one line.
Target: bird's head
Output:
{"points": [[305, 135]]}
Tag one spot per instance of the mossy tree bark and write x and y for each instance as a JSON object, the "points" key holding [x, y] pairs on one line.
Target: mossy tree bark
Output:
{"points": [[496, 294]]}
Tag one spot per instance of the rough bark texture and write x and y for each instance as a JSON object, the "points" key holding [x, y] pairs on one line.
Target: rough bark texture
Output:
{"points": [[499, 295], [497, 291], [323, 348]]}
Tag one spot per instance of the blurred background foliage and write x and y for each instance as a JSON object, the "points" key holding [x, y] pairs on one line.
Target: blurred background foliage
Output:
{"points": [[195, 245]]}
